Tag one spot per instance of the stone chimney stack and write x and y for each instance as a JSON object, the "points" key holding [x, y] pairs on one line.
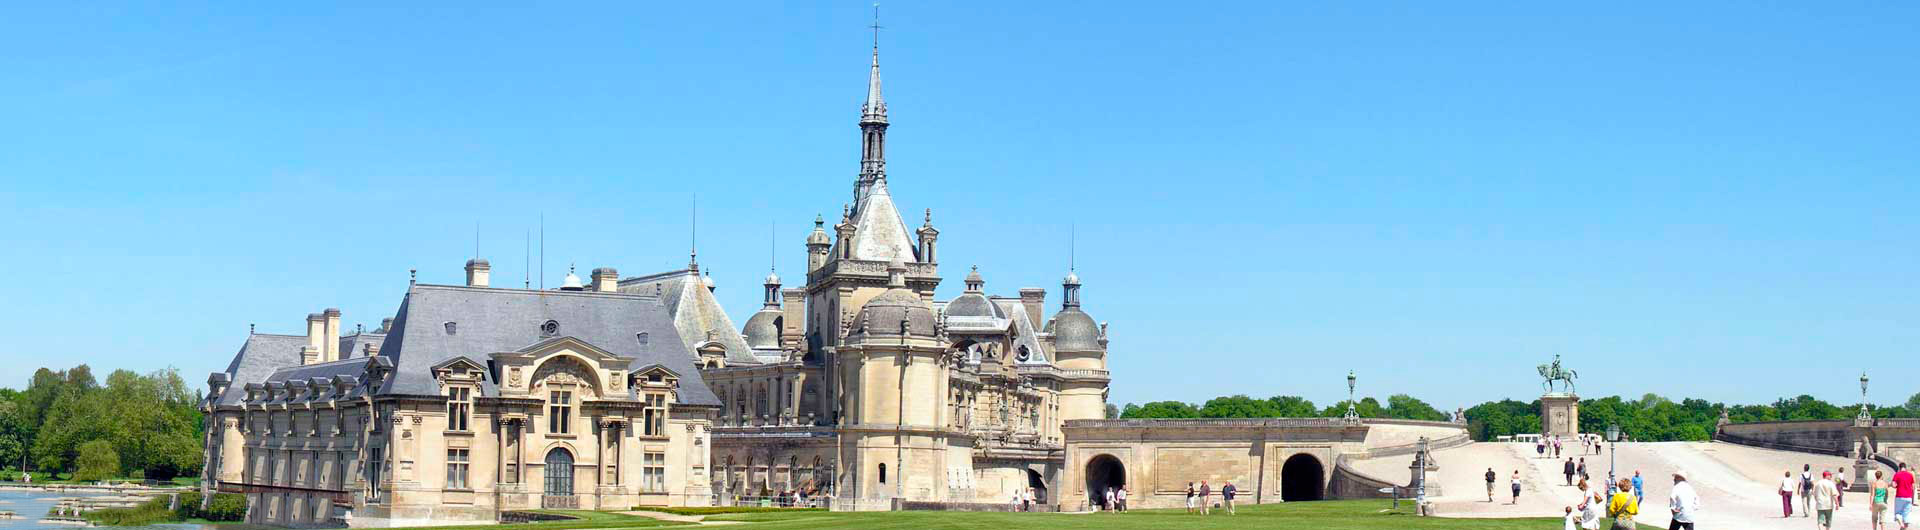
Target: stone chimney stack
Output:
{"points": [[477, 272], [331, 348], [793, 309], [606, 280], [316, 338], [1035, 301]]}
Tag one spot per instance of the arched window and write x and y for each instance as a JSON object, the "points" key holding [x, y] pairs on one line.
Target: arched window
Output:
{"points": [[559, 472]]}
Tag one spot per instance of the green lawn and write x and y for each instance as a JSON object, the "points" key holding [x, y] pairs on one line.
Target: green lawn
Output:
{"points": [[587, 519], [1329, 515]]}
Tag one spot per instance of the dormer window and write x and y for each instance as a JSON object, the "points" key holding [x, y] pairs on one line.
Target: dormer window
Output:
{"points": [[550, 328], [642, 337], [452, 327]]}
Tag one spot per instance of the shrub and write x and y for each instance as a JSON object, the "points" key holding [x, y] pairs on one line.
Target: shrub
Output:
{"points": [[153, 511], [225, 507], [97, 461], [189, 506]]}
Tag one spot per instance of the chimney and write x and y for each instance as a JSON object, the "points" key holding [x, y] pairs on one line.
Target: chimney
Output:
{"points": [[477, 272], [606, 280], [316, 336], [386, 324], [332, 345], [1035, 300], [793, 309]]}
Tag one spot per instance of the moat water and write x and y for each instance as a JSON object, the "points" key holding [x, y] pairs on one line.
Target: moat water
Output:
{"points": [[30, 506]]}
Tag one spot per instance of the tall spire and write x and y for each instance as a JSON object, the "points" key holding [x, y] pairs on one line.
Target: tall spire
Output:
{"points": [[873, 125]]}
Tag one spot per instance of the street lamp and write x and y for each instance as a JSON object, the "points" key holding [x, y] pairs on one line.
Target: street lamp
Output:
{"points": [[1353, 416], [1864, 415], [1613, 435]]}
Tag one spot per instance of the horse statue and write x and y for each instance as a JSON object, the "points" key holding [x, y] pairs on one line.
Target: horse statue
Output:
{"points": [[1553, 372]]}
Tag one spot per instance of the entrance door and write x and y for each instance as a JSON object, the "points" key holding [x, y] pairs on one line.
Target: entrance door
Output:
{"points": [[1104, 472], [559, 473]]}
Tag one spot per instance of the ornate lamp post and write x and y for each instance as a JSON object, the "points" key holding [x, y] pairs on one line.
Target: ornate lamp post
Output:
{"points": [[1353, 415], [1613, 435], [1864, 415]]}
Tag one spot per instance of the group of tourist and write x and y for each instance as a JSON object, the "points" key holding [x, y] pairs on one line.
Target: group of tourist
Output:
{"points": [[1621, 500], [1553, 446], [1023, 499], [1199, 497], [1115, 500], [1820, 497]]}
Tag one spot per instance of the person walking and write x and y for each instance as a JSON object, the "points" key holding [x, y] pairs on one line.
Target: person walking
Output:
{"points": [[1122, 496], [1568, 470], [1490, 479], [1824, 500], [1638, 492], [1516, 487], [1226, 495], [1902, 494], [1206, 505], [1682, 501], [1192, 493], [1878, 490], [1583, 470], [1787, 486], [1806, 490], [1109, 505], [1840, 480], [1623, 506]]}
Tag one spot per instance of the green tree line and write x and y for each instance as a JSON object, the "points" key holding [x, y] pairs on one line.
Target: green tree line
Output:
{"points": [[1649, 418], [66, 421]]}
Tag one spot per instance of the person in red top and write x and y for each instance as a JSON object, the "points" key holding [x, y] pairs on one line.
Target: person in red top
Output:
{"points": [[1902, 494]]}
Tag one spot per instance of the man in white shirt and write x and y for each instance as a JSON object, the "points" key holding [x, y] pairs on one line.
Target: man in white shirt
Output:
{"points": [[1825, 493], [1683, 502]]}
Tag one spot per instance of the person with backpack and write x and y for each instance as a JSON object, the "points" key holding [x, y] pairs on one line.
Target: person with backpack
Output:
{"points": [[1491, 477], [1806, 490], [1191, 497]]}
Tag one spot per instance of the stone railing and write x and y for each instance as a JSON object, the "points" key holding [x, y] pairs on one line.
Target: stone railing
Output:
{"points": [[560, 502], [1063, 373]]}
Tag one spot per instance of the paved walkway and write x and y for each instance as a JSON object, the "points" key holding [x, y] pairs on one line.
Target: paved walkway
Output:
{"points": [[664, 516], [1736, 484]]}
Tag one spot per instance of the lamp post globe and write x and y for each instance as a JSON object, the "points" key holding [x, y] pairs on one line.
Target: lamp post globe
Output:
{"points": [[1613, 436]]}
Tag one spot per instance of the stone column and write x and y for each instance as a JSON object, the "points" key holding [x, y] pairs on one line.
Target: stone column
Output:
{"points": [[799, 386]]}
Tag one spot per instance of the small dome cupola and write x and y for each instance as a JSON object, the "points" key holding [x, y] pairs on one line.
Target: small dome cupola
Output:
{"points": [[572, 281], [897, 312], [974, 283], [973, 302], [1073, 329]]}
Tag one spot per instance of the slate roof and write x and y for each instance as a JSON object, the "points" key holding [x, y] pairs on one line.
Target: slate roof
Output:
{"points": [[490, 320], [694, 311], [257, 359], [879, 233]]}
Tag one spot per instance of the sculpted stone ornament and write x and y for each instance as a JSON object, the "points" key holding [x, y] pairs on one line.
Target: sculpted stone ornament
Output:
{"points": [[1555, 373], [513, 376]]}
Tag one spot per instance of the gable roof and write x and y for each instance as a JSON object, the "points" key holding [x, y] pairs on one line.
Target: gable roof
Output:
{"points": [[491, 320]]}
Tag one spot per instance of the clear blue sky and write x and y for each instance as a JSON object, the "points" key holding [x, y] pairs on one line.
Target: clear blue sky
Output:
{"points": [[1701, 199]]}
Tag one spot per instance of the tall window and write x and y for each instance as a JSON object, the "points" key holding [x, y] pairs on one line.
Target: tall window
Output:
{"points": [[656, 415], [559, 412], [456, 469], [653, 473], [376, 459], [459, 404], [883, 473]]}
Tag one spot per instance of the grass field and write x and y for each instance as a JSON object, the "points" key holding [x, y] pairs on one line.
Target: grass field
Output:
{"points": [[1329, 515]]}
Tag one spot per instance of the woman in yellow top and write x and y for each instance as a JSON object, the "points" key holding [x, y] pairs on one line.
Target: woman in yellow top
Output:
{"points": [[1623, 506]]}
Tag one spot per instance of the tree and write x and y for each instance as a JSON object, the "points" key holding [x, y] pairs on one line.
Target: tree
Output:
{"points": [[1367, 408], [1113, 411], [1292, 407], [1239, 406], [1405, 407], [1160, 409], [97, 461]]}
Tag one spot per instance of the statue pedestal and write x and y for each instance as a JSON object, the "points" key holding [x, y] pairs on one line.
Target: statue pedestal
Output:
{"points": [[1560, 414], [1863, 475]]}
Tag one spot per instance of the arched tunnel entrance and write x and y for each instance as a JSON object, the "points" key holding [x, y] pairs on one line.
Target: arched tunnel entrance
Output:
{"points": [[1038, 485], [1104, 472], [1302, 478]]}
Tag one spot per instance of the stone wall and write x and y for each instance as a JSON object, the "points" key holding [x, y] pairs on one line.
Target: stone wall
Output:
{"points": [[1827, 437]]}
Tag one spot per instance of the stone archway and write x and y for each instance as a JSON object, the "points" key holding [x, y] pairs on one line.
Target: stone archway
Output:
{"points": [[1039, 486], [1302, 478], [1104, 471]]}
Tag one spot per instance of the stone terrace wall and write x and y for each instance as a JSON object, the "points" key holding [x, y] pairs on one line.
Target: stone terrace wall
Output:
{"points": [[1827, 437]]}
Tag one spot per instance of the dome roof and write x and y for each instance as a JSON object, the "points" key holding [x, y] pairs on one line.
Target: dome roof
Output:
{"points": [[883, 314], [972, 304], [773, 279], [1072, 279], [571, 283], [763, 330], [1074, 330]]}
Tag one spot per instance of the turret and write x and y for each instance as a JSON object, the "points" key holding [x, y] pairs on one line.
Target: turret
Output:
{"points": [[818, 245], [927, 237]]}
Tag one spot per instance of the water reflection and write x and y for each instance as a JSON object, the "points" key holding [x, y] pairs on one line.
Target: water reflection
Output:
{"points": [[30, 506]]}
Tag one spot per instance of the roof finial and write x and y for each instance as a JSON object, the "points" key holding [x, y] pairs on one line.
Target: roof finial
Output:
{"points": [[929, 217], [693, 239], [1073, 245], [773, 252], [876, 32], [249, 328], [412, 276]]}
